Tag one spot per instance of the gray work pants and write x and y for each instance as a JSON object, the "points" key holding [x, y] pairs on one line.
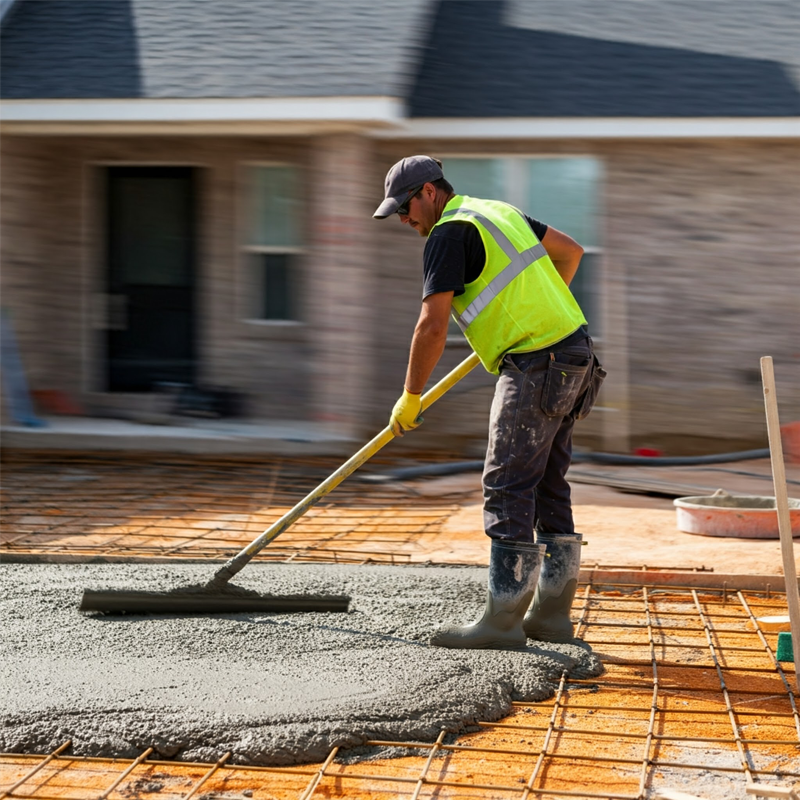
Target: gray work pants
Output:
{"points": [[537, 399]]}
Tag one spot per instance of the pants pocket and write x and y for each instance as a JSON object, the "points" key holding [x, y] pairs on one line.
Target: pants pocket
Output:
{"points": [[587, 400], [562, 385]]}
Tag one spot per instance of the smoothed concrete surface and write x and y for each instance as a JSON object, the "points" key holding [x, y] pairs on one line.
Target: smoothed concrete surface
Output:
{"points": [[274, 689]]}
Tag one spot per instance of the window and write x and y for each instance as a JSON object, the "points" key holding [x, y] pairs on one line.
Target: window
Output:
{"points": [[272, 243], [562, 192]]}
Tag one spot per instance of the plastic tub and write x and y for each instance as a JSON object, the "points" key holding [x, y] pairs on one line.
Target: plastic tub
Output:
{"points": [[790, 438], [774, 624], [742, 516]]}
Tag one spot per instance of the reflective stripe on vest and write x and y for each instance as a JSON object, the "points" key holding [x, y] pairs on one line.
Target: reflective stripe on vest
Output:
{"points": [[509, 308], [518, 262]]}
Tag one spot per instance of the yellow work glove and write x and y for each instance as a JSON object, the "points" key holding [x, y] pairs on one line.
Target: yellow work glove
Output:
{"points": [[406, 413]]}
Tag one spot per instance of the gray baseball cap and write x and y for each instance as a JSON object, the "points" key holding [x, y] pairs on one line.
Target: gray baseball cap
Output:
{"points": [[406, 175]]}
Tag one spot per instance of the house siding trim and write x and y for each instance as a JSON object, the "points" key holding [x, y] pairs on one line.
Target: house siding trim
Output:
{"points": [[359, 110], [376, 117], [595, 128]]}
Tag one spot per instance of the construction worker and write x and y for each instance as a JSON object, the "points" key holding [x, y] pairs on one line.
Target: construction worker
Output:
{"points": [[504, 278]]}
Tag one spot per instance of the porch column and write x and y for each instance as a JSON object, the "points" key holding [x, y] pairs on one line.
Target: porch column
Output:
{"points": [[341, 297]]}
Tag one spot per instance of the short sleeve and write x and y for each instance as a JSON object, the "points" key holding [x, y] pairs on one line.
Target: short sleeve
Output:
{"points": [[454, 256], [539, 228], [443, 262]]}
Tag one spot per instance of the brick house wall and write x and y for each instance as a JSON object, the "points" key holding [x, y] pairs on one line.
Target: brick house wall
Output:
{"points": [[710, 253], [700, 278], [28, 248], [52, 255]]}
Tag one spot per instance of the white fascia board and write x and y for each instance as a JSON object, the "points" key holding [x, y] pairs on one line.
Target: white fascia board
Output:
{"points": [[359, 110], [595, 128]]}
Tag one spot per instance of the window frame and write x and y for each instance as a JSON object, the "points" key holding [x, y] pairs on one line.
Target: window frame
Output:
{"points": [[515, 189], [244, 249]]}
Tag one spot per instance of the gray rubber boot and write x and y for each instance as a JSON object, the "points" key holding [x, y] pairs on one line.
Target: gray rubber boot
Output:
{"points": [[513, 573], [548, 617]]}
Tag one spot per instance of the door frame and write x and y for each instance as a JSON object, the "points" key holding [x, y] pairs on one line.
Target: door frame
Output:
{"points": [[93, 279]]}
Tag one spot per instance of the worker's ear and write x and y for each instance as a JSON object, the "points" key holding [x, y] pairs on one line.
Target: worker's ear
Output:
{"points": [[429, 190]]}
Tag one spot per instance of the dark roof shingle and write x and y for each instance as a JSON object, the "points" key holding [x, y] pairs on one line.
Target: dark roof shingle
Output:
{"points": [[207, 48], [475, 64], [445, 58]]}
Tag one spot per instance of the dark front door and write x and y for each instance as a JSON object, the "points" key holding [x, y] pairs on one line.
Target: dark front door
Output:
{"points": [[150, 277]]}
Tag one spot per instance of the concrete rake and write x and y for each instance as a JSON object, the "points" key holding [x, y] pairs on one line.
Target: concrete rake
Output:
{"points": [[217, 596]]}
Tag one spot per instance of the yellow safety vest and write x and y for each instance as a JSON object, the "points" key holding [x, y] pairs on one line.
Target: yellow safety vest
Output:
{"points": [[519, 302]]}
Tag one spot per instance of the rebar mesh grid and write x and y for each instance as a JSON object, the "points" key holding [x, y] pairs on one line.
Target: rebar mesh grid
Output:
{"points": [[169, 507], [693, 700]]}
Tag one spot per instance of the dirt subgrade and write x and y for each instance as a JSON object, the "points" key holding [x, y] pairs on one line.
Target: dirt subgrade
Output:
{"points": [[631, 529]]}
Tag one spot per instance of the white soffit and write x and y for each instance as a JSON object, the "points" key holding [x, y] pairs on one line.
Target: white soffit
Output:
{"points": [[380, 117], [595, 128], [370, 111]]}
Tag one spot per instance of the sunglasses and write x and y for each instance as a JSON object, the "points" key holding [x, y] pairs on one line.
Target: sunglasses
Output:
{"points": [[403, 209]]}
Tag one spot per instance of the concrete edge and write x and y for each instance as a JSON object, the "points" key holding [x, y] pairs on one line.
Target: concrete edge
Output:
{"points": [[595, 577]]}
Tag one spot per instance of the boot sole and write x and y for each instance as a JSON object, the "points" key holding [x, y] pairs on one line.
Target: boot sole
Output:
{"points": [[487, 646], [540, 637]]}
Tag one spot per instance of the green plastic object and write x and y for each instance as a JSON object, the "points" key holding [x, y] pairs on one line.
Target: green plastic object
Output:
{"points": [[785, 647]]}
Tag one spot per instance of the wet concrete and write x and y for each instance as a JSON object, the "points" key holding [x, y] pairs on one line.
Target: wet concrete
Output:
{"points": [[273, 689]]}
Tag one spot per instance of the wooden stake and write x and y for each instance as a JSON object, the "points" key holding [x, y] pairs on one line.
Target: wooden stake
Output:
{"points": [[782, 506]]}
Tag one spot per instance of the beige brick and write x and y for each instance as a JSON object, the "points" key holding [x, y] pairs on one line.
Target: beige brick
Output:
{"points": [[701, 277]]}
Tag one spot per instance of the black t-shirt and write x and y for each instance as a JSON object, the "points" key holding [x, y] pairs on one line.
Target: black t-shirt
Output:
{"points": [[454, 255]]}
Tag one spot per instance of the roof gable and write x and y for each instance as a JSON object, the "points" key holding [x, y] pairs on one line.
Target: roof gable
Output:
{"points": [[481, 59], [206, 48], [477, 64], [768, 29]]}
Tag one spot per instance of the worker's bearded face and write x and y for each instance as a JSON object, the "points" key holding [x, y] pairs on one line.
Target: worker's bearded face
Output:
{"points": [[423, 212]]}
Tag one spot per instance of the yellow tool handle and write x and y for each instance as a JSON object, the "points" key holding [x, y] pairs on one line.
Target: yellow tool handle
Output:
{"points": [[226, 572]]}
